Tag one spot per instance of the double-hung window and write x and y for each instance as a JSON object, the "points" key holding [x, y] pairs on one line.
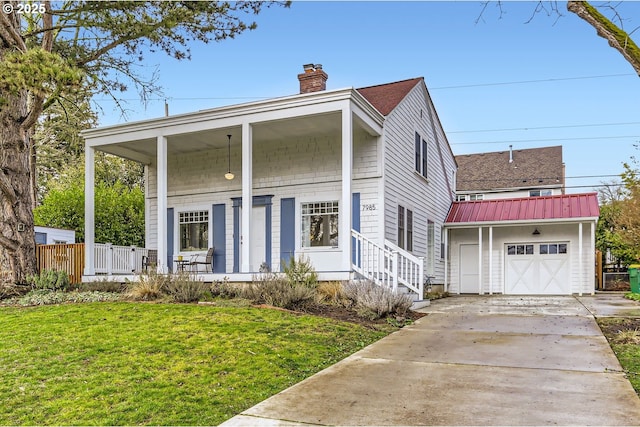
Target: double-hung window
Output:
{"points": [[194, 230], [319, 224], [405, 228], [420, 155]]}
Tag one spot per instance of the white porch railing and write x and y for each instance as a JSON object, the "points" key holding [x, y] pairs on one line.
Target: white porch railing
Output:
{"points": [[410, 269], [387, 265], [374, 262], [111, 259]]}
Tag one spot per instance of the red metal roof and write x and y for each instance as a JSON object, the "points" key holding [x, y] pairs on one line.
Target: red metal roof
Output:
{"points": [[387, 96], [566, 206]]}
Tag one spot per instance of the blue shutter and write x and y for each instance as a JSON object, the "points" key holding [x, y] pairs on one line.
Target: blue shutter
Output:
{"points": [[219, 238], [287, 230], [170, 239], [355, 224]]}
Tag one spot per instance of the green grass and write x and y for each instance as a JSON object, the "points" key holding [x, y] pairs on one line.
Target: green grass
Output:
{"points": [[623, 335], [158, 364]]}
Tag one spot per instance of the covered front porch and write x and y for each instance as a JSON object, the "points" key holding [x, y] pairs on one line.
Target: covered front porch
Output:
{"points": [[303, 163]]}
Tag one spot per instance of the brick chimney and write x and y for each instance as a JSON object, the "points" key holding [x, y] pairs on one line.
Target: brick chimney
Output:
{"points": [[313, 79]]}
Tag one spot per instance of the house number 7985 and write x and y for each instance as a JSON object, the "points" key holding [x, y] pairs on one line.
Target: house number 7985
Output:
{"points": [[369, 207]]}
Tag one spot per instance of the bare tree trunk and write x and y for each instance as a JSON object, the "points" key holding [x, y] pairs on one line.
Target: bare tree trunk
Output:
{"points": [[17, 237], [617, 38]]}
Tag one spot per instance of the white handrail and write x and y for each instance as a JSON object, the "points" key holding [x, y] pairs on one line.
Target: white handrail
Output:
{"points": [[410, 268], [374, 262]]}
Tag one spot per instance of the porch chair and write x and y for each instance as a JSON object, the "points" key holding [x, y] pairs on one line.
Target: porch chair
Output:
{"points": [[208, 261], [150, 260]]}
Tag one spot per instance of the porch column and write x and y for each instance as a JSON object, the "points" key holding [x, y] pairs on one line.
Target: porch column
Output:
{"points": [[490, 260], [247, 197], [592, 250], [480, 261], [580, 261], [345, 202], [446, 260], [89, 211], [161, 177]]}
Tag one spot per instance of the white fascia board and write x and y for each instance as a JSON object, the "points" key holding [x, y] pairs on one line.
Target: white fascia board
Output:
{"points": [[235, 115], [509, 223]]}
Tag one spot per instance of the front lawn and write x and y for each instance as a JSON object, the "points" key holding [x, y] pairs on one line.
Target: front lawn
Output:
{"points": [[623, 335], [159, 364]]}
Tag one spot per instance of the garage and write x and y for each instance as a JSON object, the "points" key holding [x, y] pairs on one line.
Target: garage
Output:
{"points": [[522, 246], [537, 268]]}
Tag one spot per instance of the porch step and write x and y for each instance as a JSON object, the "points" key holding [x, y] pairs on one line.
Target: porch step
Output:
{"points": [[420, 304]]}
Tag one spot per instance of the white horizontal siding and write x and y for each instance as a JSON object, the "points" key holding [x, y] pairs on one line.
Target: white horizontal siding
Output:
{"points": [[581, 280], [430, 198], [306, 168]]}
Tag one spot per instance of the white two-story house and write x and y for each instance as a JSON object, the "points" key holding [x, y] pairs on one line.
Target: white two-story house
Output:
{"points": [[359, 181]]}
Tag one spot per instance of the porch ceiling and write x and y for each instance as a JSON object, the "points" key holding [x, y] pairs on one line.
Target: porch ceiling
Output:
{"points": [[144, 150]]}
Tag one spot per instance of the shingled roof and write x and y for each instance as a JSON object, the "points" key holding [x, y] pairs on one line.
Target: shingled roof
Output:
{"points": [[530, 168], [386, 97]]}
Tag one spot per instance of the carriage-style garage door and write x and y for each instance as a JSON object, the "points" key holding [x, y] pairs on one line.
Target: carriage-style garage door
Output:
{"points": [[537, 269]]}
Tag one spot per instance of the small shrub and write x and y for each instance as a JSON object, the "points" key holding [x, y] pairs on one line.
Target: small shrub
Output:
{"points": [[148, 287], [301, 272], [224, 289], [373, 301], [630, 336], [331, 293], [50, 280], [273, 289], [184, 287]]}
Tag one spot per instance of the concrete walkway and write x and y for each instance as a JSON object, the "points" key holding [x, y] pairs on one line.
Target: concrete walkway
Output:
{"points": [[473, 360]]}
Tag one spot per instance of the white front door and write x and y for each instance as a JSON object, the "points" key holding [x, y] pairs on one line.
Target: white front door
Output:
{"points": [[258, 242], [469, 270], [258, 238]]}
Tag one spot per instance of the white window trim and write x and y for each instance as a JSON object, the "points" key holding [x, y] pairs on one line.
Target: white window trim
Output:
{"points": [[176, 228], [324, 197], [423, 142]]}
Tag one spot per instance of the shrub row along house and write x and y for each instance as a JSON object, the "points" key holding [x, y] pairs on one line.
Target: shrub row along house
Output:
{"points": [[362, 182]]}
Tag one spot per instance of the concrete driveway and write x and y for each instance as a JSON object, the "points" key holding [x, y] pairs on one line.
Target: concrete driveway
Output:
{"points": [[473, 360]]}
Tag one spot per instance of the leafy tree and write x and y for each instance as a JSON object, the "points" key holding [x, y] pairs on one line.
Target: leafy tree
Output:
{"points": [[57, 139], [119, 211], [609, 231], [66, 47], [627, 218]]}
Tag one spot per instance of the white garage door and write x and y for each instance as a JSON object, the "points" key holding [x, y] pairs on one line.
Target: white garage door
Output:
{"points": [[537, 269]]}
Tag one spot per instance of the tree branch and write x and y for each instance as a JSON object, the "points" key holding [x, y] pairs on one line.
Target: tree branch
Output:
{"points": [[10, 33], [617, 38], [47, 24]]}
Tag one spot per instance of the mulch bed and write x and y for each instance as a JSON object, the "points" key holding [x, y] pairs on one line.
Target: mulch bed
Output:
{"points": [[342, 314], [627, 324]]}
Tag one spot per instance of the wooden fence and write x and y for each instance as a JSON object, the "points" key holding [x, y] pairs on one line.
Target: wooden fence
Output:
{"points": [[69, 258], [109, 259]]}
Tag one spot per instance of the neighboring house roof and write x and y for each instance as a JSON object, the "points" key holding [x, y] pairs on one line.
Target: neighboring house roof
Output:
{"points": [[530, 168], [525, 209], [386, 97]]}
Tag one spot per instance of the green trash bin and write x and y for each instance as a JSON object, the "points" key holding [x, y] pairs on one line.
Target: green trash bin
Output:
{"points": [[633, 278]]}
